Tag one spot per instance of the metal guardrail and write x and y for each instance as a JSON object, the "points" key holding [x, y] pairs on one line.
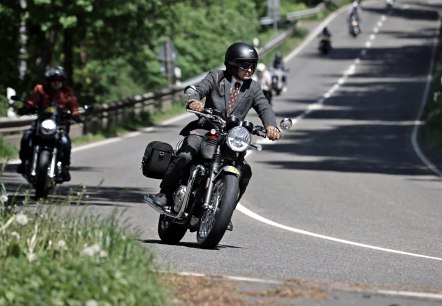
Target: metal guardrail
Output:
{"points": [[293, 16], [106, 115]]}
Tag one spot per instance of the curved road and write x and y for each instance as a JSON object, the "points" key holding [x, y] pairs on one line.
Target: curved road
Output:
{"points": [[347, 197]]}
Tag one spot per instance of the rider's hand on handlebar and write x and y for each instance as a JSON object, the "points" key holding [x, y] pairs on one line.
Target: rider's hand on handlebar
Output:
{"points": [[195, 105], [273, 132]]}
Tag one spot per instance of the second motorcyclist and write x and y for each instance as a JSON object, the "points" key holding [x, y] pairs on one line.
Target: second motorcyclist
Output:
{"points": [[264, 78], [56, 93]]}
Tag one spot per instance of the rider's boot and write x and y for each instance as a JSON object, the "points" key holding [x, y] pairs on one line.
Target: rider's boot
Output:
{"points": [[65, 175]]}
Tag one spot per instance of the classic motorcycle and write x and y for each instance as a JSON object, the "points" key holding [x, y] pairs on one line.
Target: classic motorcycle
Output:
{"points": [[207, 199], [43, 170]]}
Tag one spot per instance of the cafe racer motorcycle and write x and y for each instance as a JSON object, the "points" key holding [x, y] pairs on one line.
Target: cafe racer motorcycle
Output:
{"points": [[206, 200]]}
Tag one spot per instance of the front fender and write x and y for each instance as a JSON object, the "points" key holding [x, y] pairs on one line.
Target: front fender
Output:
{"points": [[229, 169]]}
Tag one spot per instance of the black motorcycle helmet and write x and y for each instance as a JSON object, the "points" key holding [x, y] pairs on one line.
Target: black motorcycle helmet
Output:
{"points": [[240, 52], [55, 73]]}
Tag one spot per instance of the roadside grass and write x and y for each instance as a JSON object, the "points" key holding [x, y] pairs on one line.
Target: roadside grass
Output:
{"points": [[53, 258]]}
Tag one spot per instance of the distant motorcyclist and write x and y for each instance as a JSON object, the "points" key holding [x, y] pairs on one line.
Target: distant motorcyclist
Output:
{"points": [[278, 65], [325, 33], [325, 41], [278, 62], [389, 3], [263, 77], [54, 92], [353, 13]]}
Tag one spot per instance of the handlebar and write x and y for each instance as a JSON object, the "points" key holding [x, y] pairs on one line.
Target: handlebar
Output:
{"points": [[208, 113]]}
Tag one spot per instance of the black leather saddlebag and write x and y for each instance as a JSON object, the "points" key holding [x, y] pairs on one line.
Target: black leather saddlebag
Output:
{"points": [[156, 159]]}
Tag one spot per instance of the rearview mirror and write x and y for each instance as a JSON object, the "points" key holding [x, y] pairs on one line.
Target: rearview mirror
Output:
{"points": [[191, 93], [286, 124]]}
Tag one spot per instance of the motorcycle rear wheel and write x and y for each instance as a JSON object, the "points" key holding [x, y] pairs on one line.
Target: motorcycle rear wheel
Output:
{"points": [[214, 220], [170, 233], [42, 185]]}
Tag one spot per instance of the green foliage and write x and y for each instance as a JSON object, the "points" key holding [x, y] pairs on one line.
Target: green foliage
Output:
{"points": [[3, 102], [201, 34], [109, 48], [49, 259], [9, 43]]}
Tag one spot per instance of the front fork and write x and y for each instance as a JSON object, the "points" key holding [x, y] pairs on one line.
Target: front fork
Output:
{"points": [[34, 160], [214, 168], [51, 170]]}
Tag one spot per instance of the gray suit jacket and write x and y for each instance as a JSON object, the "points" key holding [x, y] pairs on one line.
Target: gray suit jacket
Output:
{"points": [[215, 87]]}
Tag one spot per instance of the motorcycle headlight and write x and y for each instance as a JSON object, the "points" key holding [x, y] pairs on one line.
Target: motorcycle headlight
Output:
{"points": [[48, 127], [238, 139]]}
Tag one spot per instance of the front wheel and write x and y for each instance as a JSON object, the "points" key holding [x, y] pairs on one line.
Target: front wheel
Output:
{"points": [[42, 184], [169, 232], [216, 218]]}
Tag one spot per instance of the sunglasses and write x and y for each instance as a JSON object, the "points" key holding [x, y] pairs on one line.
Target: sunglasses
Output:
{"points": [[56, 80], [247, 65]]}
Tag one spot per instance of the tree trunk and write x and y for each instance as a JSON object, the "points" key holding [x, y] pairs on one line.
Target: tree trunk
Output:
{"points": [[68, 54]]}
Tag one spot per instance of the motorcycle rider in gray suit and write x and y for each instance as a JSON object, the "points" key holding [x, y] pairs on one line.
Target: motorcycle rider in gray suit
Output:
{"points": [[240, 61]]}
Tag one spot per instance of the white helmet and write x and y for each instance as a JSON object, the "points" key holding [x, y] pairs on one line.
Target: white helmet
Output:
{"points": [[260, 67]]}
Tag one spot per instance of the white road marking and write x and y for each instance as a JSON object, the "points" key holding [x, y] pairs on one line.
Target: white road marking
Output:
{"points": [[396, 293], [261, 219]]}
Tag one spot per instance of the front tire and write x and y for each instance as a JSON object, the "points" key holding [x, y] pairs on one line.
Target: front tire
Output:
{"points": [[42, 184], [170, 233], [214, 220]]}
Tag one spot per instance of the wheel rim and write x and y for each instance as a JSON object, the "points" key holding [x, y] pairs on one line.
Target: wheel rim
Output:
{"points": [[164, 224], [209, 215]]}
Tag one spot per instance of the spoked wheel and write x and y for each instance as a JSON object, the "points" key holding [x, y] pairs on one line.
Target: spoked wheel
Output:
{"points": [[215, 219], [170, 233], [42, 184]]}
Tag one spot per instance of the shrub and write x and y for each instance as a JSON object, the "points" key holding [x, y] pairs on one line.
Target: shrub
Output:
{"points": [[48, 259]]}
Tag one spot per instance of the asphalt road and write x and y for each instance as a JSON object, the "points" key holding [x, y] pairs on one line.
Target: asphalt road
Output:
{"points": [[345, 198]]}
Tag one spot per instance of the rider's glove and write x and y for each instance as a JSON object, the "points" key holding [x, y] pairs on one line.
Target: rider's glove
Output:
{"points": [[273, 132], [195, 105]]}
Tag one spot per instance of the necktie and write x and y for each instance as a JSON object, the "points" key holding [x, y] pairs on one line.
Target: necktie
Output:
{"points": [[233, 95]]}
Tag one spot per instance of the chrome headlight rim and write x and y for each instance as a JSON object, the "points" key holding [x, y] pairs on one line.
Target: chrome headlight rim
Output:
{"points": [[48, 127], [238, 139]]}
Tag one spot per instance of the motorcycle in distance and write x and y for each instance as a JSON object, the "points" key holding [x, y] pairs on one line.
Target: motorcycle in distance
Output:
{"points": [[324, 44], [354, 28], [206, 200], [43, 170], [389, 5], [278, 80]]}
